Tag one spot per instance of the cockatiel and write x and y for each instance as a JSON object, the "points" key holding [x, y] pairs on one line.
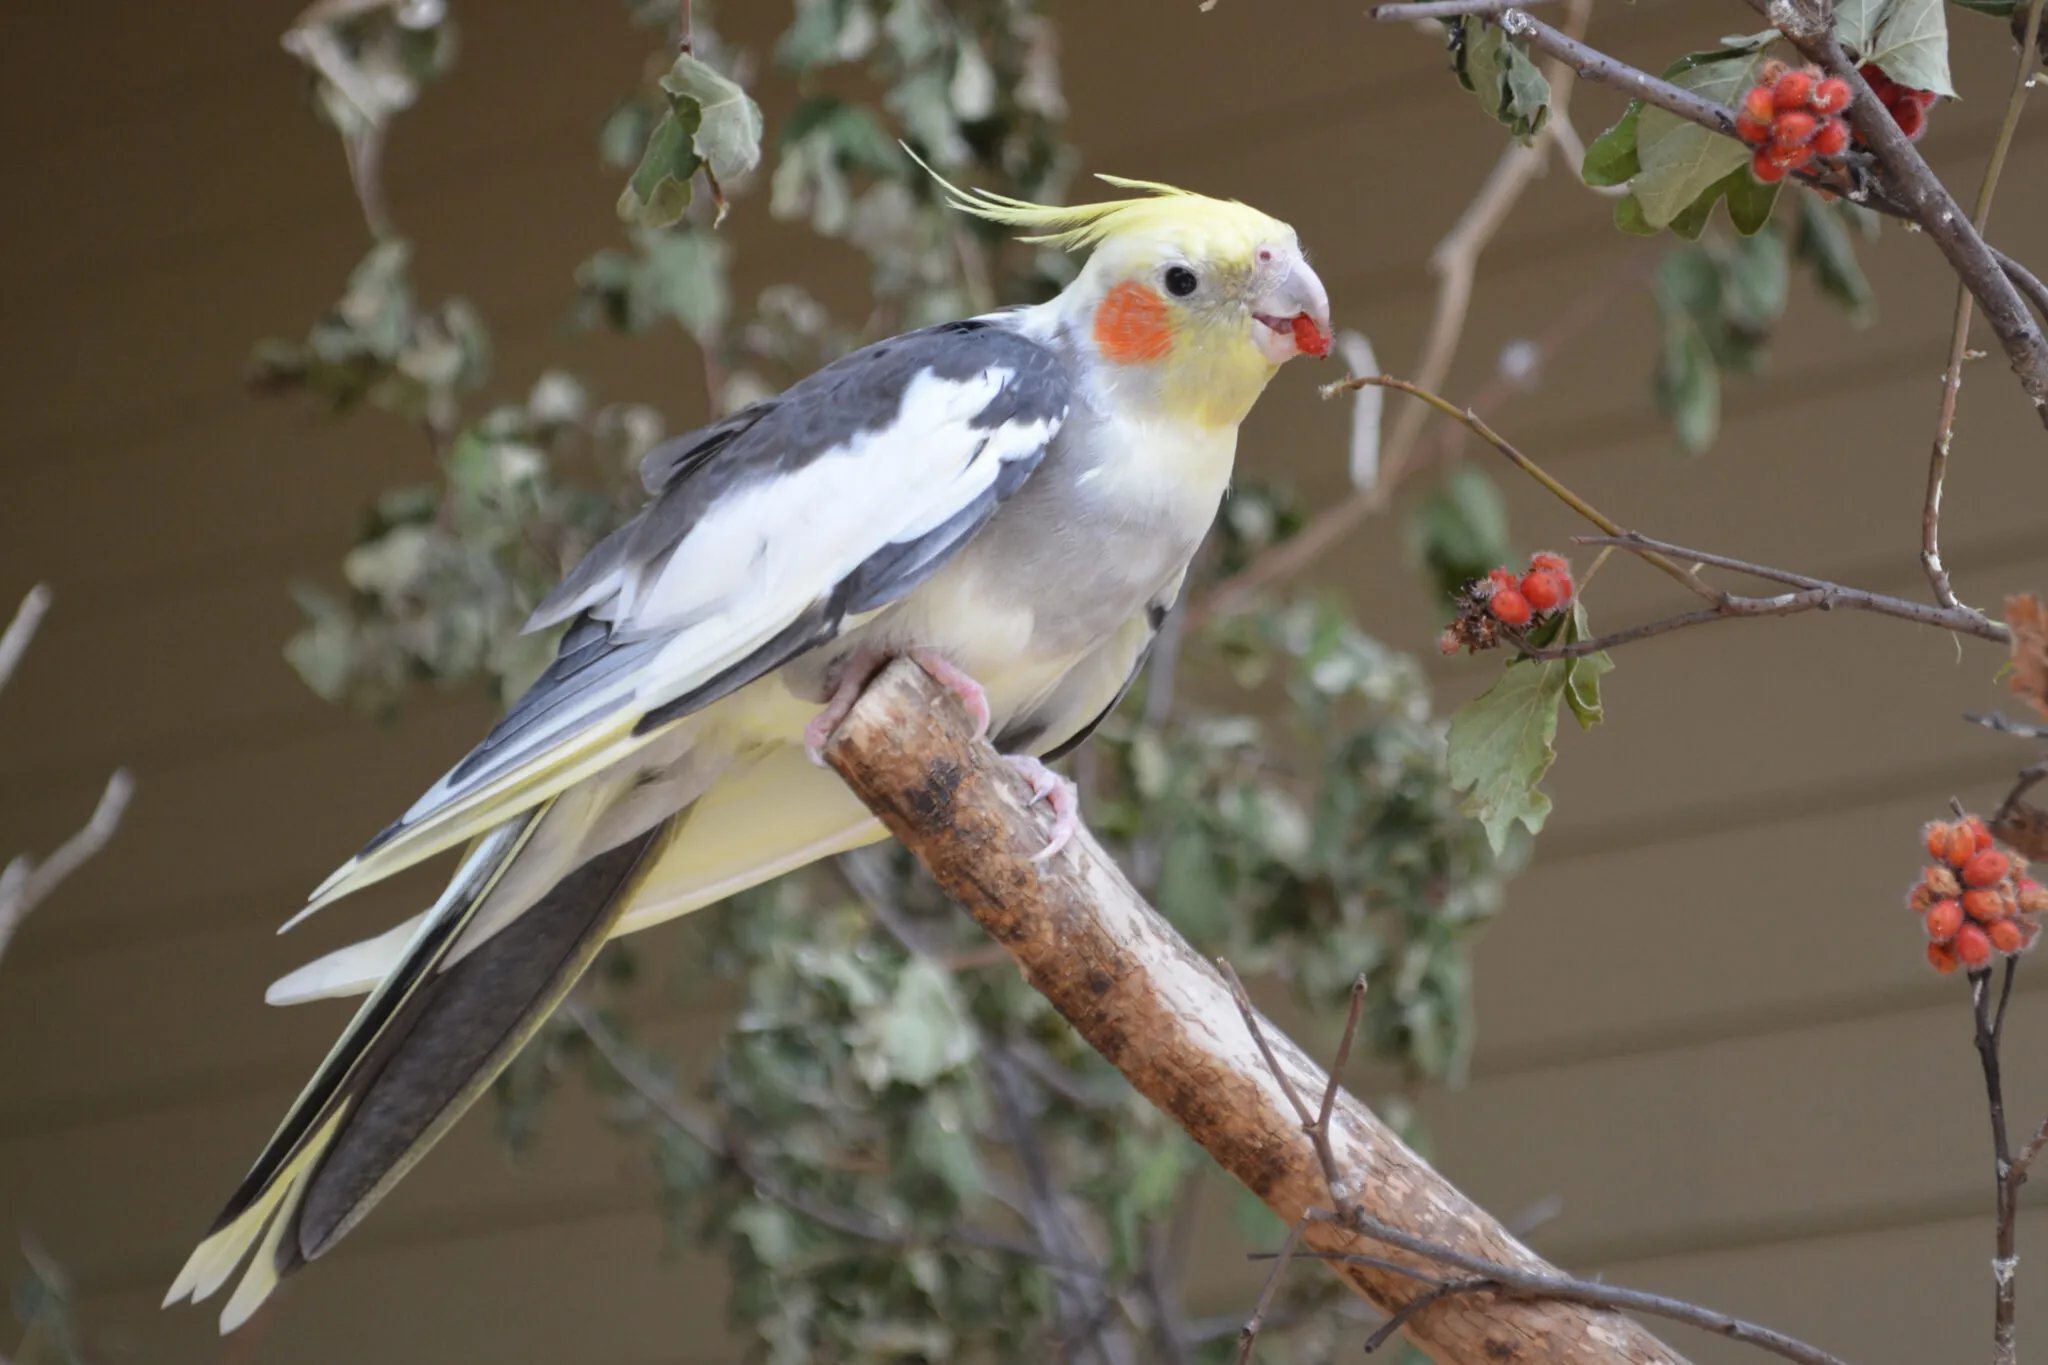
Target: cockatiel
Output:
{"points": [[1011, 501]]}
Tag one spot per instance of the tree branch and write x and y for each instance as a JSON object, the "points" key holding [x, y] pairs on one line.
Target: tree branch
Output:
{"points": [[1911, 182], [1992, 277], [1813, 594], [1164, 1017]]}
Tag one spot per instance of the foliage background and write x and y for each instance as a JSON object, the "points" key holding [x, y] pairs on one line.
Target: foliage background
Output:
{"points": [[1590, 943]]}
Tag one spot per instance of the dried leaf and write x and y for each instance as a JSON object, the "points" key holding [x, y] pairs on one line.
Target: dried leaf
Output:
{"points": [[2029, 622]]}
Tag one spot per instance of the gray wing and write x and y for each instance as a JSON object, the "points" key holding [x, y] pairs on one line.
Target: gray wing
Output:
{"points": [[769, 530]]}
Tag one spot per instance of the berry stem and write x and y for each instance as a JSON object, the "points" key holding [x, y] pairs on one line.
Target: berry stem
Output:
{"points": [[1959, 335], [1990, 1032]]}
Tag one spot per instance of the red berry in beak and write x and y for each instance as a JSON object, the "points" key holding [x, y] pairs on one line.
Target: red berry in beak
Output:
{"points": [[1310, 339]]}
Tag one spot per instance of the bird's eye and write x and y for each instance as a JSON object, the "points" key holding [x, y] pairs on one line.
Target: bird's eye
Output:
{"points": [[1181, 281]]}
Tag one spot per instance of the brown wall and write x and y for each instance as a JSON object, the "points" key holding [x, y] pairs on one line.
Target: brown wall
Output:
{"points": [[1704, 1023]]}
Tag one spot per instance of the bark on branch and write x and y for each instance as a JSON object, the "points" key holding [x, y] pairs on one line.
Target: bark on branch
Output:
{"points": [[1165, 1018]]}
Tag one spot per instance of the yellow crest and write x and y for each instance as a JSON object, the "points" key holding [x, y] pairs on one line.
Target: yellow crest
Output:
{"points": [[1077, 226]]}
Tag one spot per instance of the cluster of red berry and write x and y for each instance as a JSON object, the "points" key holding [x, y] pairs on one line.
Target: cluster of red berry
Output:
{"points": [[1515, 602], [1976, 900], [1790, 117], [1908, 106], [1502, 599]]}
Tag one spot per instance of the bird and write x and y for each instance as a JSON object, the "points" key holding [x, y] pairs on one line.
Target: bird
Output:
{"points": [[1011, 501]]}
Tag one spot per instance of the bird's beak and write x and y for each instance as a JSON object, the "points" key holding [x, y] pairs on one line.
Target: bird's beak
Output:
{"points": [[1293, 317]]}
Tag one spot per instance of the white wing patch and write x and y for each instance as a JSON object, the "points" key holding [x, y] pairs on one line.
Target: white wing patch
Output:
{"points": [[749, 568]]}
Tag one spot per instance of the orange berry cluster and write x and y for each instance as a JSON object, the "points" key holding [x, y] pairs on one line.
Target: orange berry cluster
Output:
{"points": [[1790, 117], [1502, 599], [1908, 106], [1516, 602], [1976, 900]]}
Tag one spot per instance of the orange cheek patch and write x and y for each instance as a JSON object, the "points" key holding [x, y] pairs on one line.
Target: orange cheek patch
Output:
{"points": [[1132, 327]]}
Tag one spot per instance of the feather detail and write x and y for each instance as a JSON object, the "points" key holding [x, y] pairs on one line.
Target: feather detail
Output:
{"points": [[1075, 227]]}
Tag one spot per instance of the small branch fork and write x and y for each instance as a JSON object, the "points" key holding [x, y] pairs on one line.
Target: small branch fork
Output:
{"points": [[24, 882], [1480, 1275], [1682, 564]]}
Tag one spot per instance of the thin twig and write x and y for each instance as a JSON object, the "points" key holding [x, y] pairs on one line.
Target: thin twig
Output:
{"points": [[1421, 1301], [25, 883], [1598, 67], [1248, 1335], [2026, 281], [22, 629], [1511, 1283], [1814, 594], [1445, 9], [2005, 726], [2004, 1265], [1477, 424], [1959, 334]]}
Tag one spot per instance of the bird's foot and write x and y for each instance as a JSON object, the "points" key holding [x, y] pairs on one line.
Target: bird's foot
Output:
{"points": [[1057, 792], [855, 674], [954, 679]]}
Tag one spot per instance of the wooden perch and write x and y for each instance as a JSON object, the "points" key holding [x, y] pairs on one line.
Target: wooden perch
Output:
{"points": [[1164, 1016]]}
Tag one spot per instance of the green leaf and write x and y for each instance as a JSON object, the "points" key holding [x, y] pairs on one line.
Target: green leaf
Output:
{"points": [[1461, 531], [922, 1033], [1750, 201], [1682, 160], [1756, 282], [1693, 221], [1824, 243], [658, 193], [1907, 39], [1688, 384], [1628, 216], [1501, 744], [710, 124], [728, 130], [1611, 159], [1497, 69]]}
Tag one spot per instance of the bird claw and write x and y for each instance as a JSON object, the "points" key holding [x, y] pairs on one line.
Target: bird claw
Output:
{"points": [[1057, 792], [954, 679], [859, 670], [854, 676]]}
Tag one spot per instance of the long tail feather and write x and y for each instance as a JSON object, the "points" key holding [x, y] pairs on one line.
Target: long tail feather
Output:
{"points": [[758, 822]]}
